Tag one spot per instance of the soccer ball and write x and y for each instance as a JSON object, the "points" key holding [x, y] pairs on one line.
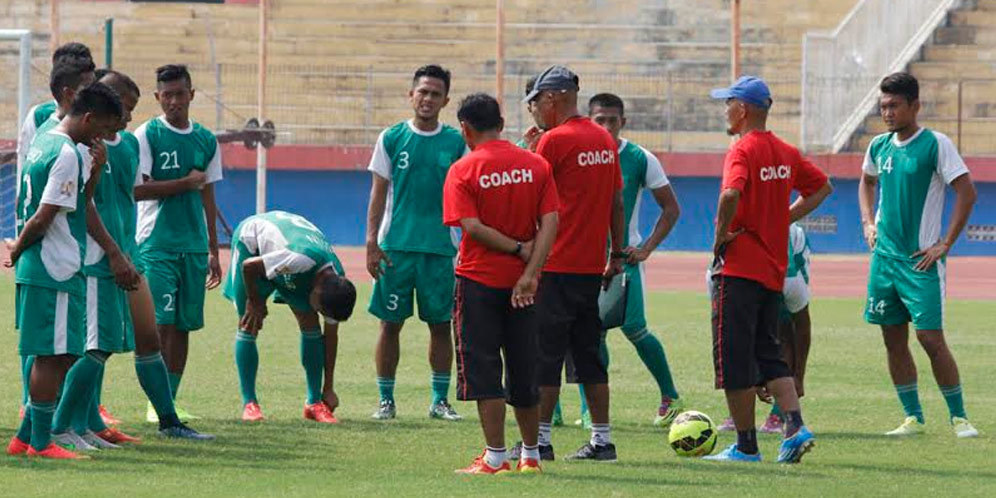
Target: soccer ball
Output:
{"points": [[692, 434]]}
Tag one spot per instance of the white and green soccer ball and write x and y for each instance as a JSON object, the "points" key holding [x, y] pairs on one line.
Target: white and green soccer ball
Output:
{"points": [[692, 434]]}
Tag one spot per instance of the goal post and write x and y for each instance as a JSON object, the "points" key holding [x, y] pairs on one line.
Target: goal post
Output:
{"points": [[8, 155], [23, 36]]}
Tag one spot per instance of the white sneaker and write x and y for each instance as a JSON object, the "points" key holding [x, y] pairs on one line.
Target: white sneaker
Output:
{"points": [[72, 441], [910, 427], [962, 428], [98, 442]]}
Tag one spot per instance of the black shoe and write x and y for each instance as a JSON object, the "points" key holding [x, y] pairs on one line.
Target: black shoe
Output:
{"points": [[545, 451], [598, 453], [181, 431]]}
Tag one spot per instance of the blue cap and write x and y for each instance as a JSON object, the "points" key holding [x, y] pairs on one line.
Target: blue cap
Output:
{"points": [[553, 78], [749, 89]]}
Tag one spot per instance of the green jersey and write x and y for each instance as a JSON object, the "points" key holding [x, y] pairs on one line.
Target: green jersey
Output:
{"points": [[115, 201], [798, 253], [911, 175], [54, 174], [293, 250], [29, 129], [640, 170], [415, 163], [177, 223]]}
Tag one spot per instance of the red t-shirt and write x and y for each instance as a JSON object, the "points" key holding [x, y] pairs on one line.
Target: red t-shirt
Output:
{"points": [[508, 189], [765, 170], [585, 163]]}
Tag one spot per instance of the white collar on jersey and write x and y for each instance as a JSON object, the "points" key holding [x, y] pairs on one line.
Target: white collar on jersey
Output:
{"points": [[117, 140], [185, 131], [906, 142], [622, 145], [414, 129]]}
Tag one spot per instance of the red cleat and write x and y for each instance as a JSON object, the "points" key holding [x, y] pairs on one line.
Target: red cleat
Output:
{"points": [[252, 413], [479, 466], [529, 466], [112, 435], [321, 413], [55, 452], [107, 417], [17, 447], [20, 413]]}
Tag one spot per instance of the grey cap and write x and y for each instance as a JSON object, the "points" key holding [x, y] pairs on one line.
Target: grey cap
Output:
{"points": [[553, 78]]}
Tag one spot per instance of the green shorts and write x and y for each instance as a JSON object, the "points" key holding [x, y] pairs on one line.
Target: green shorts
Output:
{"points": [[108, 317], [636, 315], [898, 294], [429, 276], [177, 284], [234, 287], [51, 322]]}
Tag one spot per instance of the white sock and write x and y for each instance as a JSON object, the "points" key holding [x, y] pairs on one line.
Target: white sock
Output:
{"points": [[601, 434], [544, 433], [494, 457], [530, 452]]}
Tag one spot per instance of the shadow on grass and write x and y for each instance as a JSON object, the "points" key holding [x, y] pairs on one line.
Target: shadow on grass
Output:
{"points": [[705, 467], [920, 471]]}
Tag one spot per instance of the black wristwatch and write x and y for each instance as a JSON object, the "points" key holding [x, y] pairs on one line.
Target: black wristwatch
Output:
{"points": [[619, 255], [518, 248]]}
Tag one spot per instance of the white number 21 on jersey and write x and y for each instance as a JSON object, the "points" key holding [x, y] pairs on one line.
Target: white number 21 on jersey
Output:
{"points": [[167, 157]]}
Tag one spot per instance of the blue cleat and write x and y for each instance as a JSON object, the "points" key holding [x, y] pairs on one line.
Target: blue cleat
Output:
{"points": [[794, 447], [732, 454], [181, 431]]}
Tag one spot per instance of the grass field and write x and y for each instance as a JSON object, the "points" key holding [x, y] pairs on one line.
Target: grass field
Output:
{"points": [[849, 403]]}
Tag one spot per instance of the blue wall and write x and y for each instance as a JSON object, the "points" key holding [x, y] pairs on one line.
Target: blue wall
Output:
{"points": [[337, 202]]}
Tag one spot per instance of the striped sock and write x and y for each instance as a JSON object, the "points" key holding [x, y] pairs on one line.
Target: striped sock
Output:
{"points": [[41, 424], [910, 399], [440, 386], [386, 387], [953, 397], [601, 434], [494, 457], [544, 433]]}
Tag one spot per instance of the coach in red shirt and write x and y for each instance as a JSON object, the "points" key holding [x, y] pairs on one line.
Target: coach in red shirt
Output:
{"points": [[505, 200], [585, 164], [759, 174]]}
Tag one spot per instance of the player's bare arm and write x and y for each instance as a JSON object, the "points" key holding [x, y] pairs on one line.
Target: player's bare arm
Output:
{"points": [[331, 352], [152, 189], [670, 210], [253, 269], [617, 227], [728, 201], [524, 292], [125, 275], [491, 238], [375, 214], [34, 229], [866, 201], [965, 196], [211, 215], [806, 204]]}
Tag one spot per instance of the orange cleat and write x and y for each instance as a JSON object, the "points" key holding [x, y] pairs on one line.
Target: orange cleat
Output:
{"points": [[20, 413], [17, 447], [252, 413], [107, 417], [112, 435], [479, 466], [529, 466], [55, 452], [321, 413]]}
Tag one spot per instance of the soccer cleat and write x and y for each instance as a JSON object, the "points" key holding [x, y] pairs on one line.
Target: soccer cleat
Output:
{"points": [[72, 441], [444, 411], [183, 432], [793, 448], [320, 412], [732, 454], [727, 425], [150, 414], [910, 427], [962, 428], [115, 436], [529, 466], [584, 421], [252, 413], [545, 451], [153, 418], [184, 415], [772, 425], [17, 447], [479, 466], [386, 411], [668, 411], [55, 452], [106, 416], [98, 442], [596, 453]]}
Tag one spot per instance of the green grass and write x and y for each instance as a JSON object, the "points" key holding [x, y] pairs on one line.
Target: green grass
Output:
{"points": [[849, 403]]}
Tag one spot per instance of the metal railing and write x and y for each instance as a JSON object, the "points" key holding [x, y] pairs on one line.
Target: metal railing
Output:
{"points": [[841, 69]]}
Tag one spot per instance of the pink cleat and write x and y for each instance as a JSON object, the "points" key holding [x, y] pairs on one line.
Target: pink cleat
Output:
{"points": [[727, 425], [773, 425]]}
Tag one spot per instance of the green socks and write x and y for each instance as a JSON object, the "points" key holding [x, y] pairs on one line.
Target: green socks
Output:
{"points": [[174, 382], [77, 390], [41, 424], [776, 411], [26, 363], [152, 376], [440, 386], [584, 399], [910, 400], [651, 352], [386, 387], [952, 396], [247, 363], [90, 417], [313, 361], [24, 431]]}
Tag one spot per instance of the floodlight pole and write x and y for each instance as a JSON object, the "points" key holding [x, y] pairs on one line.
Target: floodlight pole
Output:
{"points": [[261, 109], [734, 40], [500, 53]]}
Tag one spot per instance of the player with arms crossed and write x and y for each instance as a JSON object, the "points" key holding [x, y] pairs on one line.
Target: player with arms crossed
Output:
{"points": [[177, 239], [409, 249], [910, 166], [285, 253], [505, 200]]}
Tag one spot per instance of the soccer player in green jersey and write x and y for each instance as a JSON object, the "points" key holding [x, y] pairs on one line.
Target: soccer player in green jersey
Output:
{"points": [[177, 239], [48, 257], [909, 167], [409, 249], [285, 255]]}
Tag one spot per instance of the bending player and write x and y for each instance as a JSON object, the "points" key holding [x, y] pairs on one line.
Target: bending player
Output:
{"points": [[409, 249], [284, 253], [177, 238], [910, 166]]}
